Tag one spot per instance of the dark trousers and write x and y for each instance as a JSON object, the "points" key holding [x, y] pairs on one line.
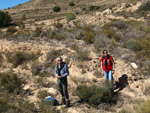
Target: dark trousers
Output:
{"points": [[62, 85]]}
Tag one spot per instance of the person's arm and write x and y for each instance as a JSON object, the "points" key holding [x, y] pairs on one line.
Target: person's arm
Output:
{"points": [[56, 74], [113, 67], [101, 60], [66, 71]]}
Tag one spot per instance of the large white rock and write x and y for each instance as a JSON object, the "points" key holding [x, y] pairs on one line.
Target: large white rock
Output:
{"points": [[52, 91], [134, 65]]}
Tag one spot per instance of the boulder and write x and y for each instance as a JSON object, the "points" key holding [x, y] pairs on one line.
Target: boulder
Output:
{"points": [[52, 91], [134, 65]]}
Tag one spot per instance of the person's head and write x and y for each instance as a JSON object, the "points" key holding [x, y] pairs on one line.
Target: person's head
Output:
{"points": [[105, 53], [59, 60]]}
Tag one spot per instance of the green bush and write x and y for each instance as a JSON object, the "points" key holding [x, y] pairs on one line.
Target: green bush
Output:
{"points": [[70, 16], [89, 37], [143, 107], [56, 9], [94, 95], [94, 8], [11, 82], [144, 45], [5, 19], [71, 4], [145, 6]]}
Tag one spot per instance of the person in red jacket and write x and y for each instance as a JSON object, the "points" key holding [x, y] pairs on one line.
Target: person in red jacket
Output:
{"points": [[108, 67]]}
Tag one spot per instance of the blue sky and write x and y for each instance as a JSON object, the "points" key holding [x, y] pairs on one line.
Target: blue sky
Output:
{"points": [[4, 4]]}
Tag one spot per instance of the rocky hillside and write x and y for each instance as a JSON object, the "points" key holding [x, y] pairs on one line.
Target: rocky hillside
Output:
{"points": [[28, 53]]}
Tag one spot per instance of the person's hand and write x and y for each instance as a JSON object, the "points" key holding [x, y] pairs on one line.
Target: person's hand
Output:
{"points": [[59, 77], [102, 72], [113, 72]]}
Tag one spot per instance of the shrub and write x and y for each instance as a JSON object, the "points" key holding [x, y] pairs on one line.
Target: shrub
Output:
{"points": [[143, 107], [71, 4], [110, 32], [53, 54], [11, 82], [120, 24], [38, 31], [20, 57], [83, 8], [58, 25], [42, 94], [83, 55], [59, 37], [56, 9], [47, 108], [5, 19], [3, 105], [70, 16], [89, 37], [74, 47], [94, 8], [11, 29], [36, 68], [144, 45], [117, 37], [94, 95], [145, 6], [51, 34], [100, 42], [133, 45], [23, 33]]}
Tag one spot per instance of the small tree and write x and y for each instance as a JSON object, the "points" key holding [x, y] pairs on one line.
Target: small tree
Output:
{"points": [[5, 19], [56, 9], [70, 16], [71, 4]]}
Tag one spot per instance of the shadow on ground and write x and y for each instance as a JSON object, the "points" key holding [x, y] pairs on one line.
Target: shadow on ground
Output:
{"points": [[123, 82]]}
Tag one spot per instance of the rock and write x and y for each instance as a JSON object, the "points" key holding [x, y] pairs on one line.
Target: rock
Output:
{"points": [[52, 91], [134, 65], [102, 106], [107, 12]]}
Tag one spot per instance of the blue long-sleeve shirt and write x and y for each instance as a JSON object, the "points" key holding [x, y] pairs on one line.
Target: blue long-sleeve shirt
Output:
{"points": [[64, 71]]}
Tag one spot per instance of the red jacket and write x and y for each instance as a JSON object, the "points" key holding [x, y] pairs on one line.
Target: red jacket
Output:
{"points": [[109, 63]]}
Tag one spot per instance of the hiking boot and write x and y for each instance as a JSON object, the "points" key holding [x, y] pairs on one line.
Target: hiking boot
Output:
{"points": [[67, 104]]}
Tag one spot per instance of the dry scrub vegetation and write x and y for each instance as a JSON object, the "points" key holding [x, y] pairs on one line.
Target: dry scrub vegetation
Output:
{"points": [[76, 42]]}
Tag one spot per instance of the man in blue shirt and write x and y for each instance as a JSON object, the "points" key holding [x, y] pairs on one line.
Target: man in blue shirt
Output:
{"points": [[61, 72]]}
